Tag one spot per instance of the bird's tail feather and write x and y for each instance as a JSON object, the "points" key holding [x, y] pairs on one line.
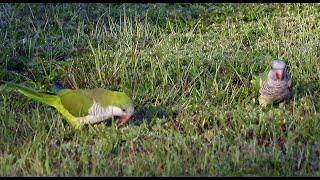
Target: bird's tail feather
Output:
{"points": [[48, 98], [44, 97]]}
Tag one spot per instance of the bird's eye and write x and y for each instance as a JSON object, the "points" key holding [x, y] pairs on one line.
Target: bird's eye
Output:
{"points": [[124, 110]]}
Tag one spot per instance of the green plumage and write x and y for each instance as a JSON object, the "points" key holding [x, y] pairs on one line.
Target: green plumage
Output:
{"points": [[74, 104], [257, 80], [44, 97], [77, 102]]}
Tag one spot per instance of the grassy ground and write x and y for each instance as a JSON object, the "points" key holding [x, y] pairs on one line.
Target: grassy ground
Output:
{"points": [[188, 69]]}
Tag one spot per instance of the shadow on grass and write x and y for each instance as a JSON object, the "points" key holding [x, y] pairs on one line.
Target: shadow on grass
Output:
{"points": [[149, 114], [306, 88]]}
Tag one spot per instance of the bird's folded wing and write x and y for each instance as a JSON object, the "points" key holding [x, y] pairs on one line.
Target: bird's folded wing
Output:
{"points": [[77, 102]]}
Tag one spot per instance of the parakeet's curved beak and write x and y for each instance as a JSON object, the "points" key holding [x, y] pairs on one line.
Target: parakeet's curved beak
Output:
{"points": [[125, 118], [279, 74]]}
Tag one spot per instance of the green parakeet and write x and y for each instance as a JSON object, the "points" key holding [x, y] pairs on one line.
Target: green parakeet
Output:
{"points": [[275, 85], [83, 106]]}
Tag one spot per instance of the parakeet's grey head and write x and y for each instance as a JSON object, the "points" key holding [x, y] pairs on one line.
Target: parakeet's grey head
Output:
{"points": [[126, 113], [117, 103], [123, 112], [122, 105], [278, 70]]}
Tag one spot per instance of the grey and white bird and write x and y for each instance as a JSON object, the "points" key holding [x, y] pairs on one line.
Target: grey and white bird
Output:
{"points": [[275, 85]]}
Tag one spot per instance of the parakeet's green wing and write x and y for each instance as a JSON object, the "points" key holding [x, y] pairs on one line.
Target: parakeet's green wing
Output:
{"points": [[257, 80], [255, 83], [77, 102], [109, 98]]}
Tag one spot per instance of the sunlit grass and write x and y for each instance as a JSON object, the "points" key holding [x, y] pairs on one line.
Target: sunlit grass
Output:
{"points": [[194, 62]]}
